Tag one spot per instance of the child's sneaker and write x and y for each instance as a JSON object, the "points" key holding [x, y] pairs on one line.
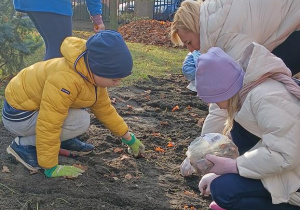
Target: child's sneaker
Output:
{"points": [[24, 154], [214, 206], [77, 147]]}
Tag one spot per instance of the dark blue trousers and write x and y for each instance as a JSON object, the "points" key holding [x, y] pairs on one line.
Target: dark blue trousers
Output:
{"points": [[234, 192], [54, 28], [289, 52]]}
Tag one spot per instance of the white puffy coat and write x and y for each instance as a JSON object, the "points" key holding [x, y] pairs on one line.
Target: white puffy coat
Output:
{"points": [[272, 113], [234, 24]]}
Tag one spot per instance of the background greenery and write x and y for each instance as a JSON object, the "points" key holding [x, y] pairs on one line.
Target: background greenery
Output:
{"points": [[147, 59]]}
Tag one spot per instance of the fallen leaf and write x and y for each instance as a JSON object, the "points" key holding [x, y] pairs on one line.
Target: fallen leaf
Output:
{"points": [[189, 193], [118, 150], [193, 115], [5, 169], [128, 176], [170, 144], [200, 122], [159, 149], [175, 108], [82, 167], [32, 172], [189, 107], [123, 157], [114, 100], [129, 107]]}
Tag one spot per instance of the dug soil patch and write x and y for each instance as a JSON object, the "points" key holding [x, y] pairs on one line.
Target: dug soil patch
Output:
{"points": [[164, 115]]}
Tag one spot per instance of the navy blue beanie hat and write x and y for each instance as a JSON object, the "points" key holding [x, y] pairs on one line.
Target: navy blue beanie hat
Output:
{"points": [[108, 55]]}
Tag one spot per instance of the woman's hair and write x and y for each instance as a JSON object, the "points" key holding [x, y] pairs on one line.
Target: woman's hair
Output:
{"points": [[186, 18], [233, 107]]}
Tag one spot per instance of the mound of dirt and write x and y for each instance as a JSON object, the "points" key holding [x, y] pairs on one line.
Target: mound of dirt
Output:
{"points": [[147, 32], [164, 115]]}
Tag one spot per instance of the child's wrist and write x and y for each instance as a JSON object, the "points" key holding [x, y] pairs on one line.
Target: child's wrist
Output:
{"points": [[127, 136], [129, 141]]}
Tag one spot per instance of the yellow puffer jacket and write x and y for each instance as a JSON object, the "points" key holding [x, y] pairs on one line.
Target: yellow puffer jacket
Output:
{"points": [[54, 86]]}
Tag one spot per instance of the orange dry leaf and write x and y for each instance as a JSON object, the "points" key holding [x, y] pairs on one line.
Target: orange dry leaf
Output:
{"points": [[118, 150], [159, 149], [189, 107], [170, 144], [193, 208], [189, 193], [175, 108], [185, 207]]}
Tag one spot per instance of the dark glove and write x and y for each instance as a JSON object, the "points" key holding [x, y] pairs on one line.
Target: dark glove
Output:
{"points": [[136, 147]]}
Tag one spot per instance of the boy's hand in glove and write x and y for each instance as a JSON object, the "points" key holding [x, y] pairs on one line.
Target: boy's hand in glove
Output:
{"points": [[63, 171], [136, 147]]}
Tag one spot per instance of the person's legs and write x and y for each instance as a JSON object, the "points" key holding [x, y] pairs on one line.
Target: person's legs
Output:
{"points": [[54, 28], [234, 192], [23, 147], [76, 123], [289, 52], [242, 138]]}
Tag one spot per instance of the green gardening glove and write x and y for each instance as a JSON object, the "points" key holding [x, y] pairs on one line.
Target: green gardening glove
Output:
{"points": [[136, 147], [64, 171]]}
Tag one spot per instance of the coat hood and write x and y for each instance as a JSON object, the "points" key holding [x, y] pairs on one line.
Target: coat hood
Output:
{"points": [[257, 61], [73, 50]]}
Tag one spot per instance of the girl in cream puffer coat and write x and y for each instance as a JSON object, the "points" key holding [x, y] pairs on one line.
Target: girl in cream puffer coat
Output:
{"points": [[264, 103]]}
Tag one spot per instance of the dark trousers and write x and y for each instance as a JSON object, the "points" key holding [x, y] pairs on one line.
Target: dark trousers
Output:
{"points": [[289, 52], [54, 28], [234, 192]]}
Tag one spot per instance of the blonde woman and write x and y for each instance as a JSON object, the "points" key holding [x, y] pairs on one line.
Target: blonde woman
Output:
{"points": [[234, 24]]}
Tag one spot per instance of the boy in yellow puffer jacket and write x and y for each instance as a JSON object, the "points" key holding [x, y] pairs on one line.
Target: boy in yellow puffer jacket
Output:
{"points": [[44, 103]]}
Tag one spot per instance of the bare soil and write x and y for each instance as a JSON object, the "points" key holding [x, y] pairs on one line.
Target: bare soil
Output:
{"points": [[114, 180]]}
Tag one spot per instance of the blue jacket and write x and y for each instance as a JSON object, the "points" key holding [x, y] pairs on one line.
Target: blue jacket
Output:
{"points": [[63, 7]]}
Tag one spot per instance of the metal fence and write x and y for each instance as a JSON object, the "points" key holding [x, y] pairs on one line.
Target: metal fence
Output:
{"points": [[162, 10], [80, 11]]}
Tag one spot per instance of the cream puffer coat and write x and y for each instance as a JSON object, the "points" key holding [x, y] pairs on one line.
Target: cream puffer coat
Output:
{"points": [[234, 24], [53, 87], [272, 113]]}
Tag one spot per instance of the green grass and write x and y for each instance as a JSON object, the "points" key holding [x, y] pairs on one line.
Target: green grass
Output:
{"points": [[154, 60], [147, 59]]}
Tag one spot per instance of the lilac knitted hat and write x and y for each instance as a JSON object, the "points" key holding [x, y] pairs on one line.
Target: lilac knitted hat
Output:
{"points": [[218, 76]]}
